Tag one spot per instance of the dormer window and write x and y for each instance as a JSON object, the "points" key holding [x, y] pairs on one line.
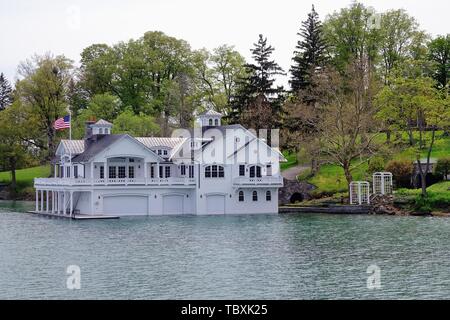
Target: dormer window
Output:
{"points": [[165, 152]]}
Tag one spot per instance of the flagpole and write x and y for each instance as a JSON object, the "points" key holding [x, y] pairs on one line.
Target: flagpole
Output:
{"points": [[70, 139]]}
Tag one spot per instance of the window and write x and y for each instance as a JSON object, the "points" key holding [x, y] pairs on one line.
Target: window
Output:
{"points": [[191, 171], [167, 172], [152, 171], [269, 170], [68, 172], [241, 170], [106, 131], [112, 172], [121, 172], [161, 171], [241, 196], [75, 171], [131, 160], [131, 172], [216, 122], [100, 131], [214, 171], [183, 170], [210, 122], [255, 196], [255, 171], [165, 152], [268, 196], [102, 172]]}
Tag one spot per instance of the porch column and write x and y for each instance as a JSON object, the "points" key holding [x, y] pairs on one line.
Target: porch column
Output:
{"points": [[92, 172], [145, 171], [46, 202], [71, 203], [157, 170], [56, 171], [53, 201], [42, 200], [92, 202], [37, 200], [64, 202], [106, 170]]}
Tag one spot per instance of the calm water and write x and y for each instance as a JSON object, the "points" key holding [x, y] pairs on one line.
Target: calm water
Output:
{"points": [[229, 257]]}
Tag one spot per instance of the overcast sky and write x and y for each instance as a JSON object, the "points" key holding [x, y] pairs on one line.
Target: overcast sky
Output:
{"points": [[68, 26]]}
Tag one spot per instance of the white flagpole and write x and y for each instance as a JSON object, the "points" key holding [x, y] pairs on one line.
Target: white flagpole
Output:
{"points": [[70, 139]]}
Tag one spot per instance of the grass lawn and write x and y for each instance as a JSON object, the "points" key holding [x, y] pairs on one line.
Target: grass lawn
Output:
{"points": [[25, 177], [291, 161]]}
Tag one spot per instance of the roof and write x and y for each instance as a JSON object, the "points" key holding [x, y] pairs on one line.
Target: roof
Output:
{"points": [[95, 147], [102, 122], [151, 142], [210, 112], [73, 146]]}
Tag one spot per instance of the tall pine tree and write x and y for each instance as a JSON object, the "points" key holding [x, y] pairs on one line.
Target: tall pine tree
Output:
{"points": [[5, 92], [257, 98], [310, 53]]}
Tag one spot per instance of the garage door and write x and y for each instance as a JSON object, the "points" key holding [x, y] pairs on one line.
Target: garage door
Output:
{"points": [[215, 204], [125, 205], [173, 204]]}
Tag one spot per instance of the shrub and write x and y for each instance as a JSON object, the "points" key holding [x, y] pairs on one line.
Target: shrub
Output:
{"points": [[442, 167], [401, 171], [376, 164]]}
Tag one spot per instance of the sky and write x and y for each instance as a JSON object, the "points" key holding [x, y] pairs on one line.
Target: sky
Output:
{"points": [[68, 26]]}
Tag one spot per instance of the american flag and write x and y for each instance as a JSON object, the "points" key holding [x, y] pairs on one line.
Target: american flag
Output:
{"points": [[62, 123]]}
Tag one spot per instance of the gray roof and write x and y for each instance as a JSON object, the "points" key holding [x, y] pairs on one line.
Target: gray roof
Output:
{"points": [[73, 146], [95, 147], [102, 122], [151, 142], [210, 113]]}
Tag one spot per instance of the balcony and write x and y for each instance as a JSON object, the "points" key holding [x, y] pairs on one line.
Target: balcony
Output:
{"points": [[267, 181], [174, 181]]}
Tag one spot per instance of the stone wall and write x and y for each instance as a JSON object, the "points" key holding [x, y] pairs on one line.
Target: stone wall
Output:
{"points": [[291, 188]]}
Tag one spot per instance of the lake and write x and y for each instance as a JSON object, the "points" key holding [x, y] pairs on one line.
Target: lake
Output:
{"points": [[304, 256]]}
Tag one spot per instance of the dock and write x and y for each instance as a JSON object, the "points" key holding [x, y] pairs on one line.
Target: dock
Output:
{"points": [[75, 216], [331, 209]]}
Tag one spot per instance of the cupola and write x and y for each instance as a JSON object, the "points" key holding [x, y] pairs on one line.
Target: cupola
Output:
{"points": [[210, 118]]}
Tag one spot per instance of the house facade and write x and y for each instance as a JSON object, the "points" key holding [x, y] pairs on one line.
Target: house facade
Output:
{"points": [[210, 169]]}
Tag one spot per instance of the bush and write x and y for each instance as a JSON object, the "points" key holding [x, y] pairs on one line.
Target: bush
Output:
{"points": [[376, 164], [402, 171], [442, 167]]}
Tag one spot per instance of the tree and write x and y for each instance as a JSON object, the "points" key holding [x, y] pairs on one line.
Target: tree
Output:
{"points": [[398, 35], [135, 125], [352, 37], [409, 99], [42, 92], [343, 114], [13, 150], [439, 54], [5, 92], [259, 84], [310, 52]]}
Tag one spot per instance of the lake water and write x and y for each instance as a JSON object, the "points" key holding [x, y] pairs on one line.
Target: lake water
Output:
{"points": [[223, 257]]}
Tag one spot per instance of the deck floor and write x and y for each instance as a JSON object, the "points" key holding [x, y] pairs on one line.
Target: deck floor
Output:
{"points": [[76, 216]]}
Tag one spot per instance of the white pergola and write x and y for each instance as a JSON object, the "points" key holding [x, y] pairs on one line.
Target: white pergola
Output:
{"points": [[359, 192], [382, 183]]}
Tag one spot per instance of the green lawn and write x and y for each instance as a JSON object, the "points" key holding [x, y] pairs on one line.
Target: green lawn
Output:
{"points": [[291, 161], [25, 176]]}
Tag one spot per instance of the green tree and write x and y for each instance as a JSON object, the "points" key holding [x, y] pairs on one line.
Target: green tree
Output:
{"points": [[399, 33], [439, 54], [5, 92], [310, 54], [135, 125], [42, 93], [257, 89], [13, 149]]}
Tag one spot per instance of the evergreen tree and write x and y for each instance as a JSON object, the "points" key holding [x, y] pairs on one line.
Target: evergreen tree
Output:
{"points": [[309, 54], [5, 92], [257, 87]]}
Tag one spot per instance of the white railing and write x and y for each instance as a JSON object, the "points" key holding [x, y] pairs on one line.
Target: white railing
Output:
{"points": [[117, 181], [260, 181]]}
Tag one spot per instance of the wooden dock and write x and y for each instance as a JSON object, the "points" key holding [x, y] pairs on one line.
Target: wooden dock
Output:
{"points": [[75, 216], [331, 209]]}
